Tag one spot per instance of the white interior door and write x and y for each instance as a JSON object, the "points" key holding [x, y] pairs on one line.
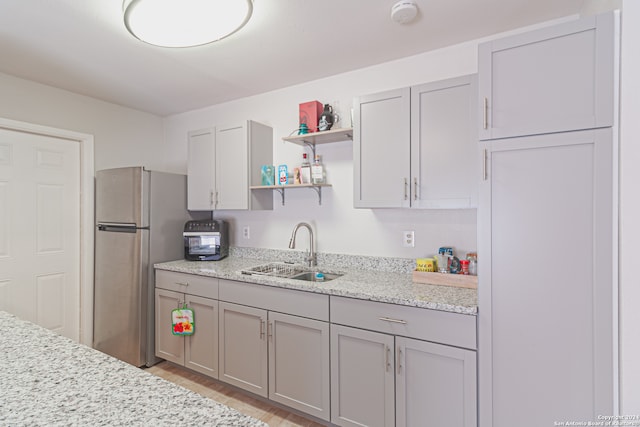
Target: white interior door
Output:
{"points": [[40, 230]]}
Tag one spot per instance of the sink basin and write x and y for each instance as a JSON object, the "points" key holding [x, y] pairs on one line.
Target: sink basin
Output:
{"points": [[289, 271], [310, 276], [276, 269]]}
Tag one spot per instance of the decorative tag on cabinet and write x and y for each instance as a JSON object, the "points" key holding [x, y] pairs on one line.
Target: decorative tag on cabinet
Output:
{"points": [[182, 321]]}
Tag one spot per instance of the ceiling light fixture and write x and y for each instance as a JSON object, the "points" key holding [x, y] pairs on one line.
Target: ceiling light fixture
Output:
{"points": [[404, 11], [184, 23]]}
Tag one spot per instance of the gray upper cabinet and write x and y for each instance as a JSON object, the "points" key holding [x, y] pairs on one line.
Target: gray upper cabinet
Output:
{"points": [[381, 149], [223, 162], [417, 147], [444, 149], [551, 80]]}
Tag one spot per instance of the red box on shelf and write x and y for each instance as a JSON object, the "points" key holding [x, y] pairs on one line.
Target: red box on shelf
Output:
{"points": [[310, 113]]}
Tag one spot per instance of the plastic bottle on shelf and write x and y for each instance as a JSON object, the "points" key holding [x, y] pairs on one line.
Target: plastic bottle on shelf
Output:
{"points": [[305, 170], [317, 171]]}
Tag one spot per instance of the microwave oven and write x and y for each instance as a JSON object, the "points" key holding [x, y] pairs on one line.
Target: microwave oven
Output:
{"points": [[206, 240]]}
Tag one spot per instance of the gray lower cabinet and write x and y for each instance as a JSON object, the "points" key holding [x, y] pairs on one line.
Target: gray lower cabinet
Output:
{"points": [[557, 364], [362, 378], [199, 351], [434, 383], [284, 357]]}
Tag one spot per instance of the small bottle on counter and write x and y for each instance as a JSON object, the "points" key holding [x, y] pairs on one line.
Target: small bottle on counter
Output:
{"points": [[317, 171], [473, 263], [464, 265]]}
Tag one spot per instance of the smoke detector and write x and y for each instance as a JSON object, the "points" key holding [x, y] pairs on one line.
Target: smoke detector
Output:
{"points": [[404, 11]]}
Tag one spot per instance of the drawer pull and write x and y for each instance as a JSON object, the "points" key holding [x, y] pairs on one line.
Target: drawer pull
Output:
{"points": [[182, 283], [392, 320]]}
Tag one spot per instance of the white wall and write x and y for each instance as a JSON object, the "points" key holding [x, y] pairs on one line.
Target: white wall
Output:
{"points": [[630, 211], [339, 227], [123, 137]]}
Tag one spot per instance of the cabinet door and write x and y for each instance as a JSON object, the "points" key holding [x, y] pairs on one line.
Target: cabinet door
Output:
{"points": [[547, 298], [200, 170], [554, 79], [243, 347], [362, 378], [381, 150], [231, 167], [201, 348], [299, 363], [168, 346], [435, 385], [444, 147]]}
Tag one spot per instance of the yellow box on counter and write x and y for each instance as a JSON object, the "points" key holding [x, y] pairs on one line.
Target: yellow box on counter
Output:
{"points": [[457, 280]]}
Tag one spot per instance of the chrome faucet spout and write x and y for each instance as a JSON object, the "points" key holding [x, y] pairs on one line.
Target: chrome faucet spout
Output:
{"points": [[311, 256]]}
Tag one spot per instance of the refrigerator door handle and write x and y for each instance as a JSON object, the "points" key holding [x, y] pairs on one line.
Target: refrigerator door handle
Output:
{"points": [[119, 228]]}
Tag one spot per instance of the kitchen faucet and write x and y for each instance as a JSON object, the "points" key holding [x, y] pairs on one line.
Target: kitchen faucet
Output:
{"points": [[311, 256]]}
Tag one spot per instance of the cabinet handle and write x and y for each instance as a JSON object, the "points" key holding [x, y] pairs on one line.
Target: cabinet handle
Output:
{"points": [[406, 187], [387, 360], [485, 113], [389, 319], [399, 368], [211, 201], [270, 331], [261, 328], [415, 188], [484, 164]]}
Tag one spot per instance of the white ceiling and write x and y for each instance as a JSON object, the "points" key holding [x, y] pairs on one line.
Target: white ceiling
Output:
{"points": [[82, 46]]}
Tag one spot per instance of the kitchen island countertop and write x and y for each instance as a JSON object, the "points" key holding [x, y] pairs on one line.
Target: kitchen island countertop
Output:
{"points": [[49, 380], [369, 284]]}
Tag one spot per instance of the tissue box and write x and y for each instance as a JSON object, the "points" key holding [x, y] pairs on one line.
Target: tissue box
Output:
{"points": [[310, 112], [268, 175]]}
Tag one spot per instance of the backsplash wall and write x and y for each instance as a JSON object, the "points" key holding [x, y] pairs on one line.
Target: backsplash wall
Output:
{"points": [[339, 228]]}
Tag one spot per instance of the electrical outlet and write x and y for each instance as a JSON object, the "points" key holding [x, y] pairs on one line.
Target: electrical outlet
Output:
{"points": [[246, 232], [408, 239]]}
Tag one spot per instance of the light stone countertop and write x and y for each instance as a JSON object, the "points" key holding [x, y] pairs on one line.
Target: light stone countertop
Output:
{"points": [[360, 280], [50, 380]]}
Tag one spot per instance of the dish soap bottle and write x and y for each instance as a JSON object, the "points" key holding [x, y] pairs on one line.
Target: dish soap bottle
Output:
{"points": [[317, 171], [305, 170]]}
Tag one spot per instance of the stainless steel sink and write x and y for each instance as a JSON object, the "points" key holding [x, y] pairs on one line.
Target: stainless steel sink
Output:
{"points": [[289, 271], [310, 276], [276, 269]]}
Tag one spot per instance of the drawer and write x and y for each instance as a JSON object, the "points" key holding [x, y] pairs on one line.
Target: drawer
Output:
{"points": [[431, 325], [187, 283], [298, 303]]}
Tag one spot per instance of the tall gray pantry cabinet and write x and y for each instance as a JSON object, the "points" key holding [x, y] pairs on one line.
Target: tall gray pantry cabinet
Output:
{"points": [[548, 225]]}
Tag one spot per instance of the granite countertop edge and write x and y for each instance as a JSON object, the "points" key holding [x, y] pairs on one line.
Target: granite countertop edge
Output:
{"points": [[380, 286]]}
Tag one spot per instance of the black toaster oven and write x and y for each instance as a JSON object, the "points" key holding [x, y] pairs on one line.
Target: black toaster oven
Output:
{"points": [[206, 240]]}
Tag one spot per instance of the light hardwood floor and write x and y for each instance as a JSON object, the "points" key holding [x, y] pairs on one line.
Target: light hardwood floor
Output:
{"points": [[272, 415]]}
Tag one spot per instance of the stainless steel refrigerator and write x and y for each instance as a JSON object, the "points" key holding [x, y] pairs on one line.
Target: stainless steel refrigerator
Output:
{"points": [[140, 217]]}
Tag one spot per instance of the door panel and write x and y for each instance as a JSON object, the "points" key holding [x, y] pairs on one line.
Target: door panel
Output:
{"points": [[40, 230], [561, 360], [299, 363], [243, 347], [120, 198], [120, 316]]}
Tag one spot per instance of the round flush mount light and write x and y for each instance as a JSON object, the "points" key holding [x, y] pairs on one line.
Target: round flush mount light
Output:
{"points": [[184, 23], [404, 11]]}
